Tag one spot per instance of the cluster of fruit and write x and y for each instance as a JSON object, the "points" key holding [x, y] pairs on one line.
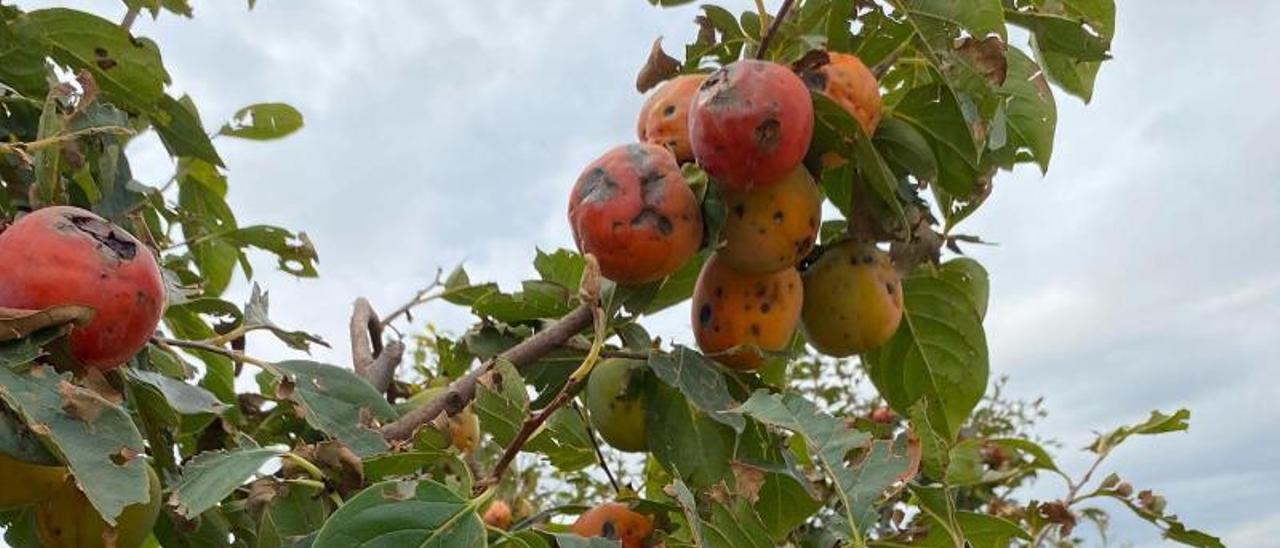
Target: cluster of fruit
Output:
{"points": [[749, 126], [59, 256]]}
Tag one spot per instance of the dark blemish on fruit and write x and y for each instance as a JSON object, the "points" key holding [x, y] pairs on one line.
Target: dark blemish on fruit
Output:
{"points": [[816, 79], [597, 186], [650, 216], [755, 329], [867, 259], [107, 236], [768, 134], [651, 187], [890, 288], [609, 530], [704, 314], [760, 289], [813, 223], [778, 216], [760, 231], [739, 210], [853, 261], [764, 307], [719, 291], [669, 111]]}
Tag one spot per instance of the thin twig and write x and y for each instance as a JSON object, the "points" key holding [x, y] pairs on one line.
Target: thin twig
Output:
{"points": [[239, 357], [773, 28], [419, 298], [607, 352], [129, 17], [591, 293], [463, 390], [595, 444], [32, 146]]}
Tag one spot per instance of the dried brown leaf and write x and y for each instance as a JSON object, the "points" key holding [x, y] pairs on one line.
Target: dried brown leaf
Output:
{"points": [[16, 323], [657, 68]]}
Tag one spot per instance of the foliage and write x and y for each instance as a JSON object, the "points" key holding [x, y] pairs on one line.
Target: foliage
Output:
{"points": [[314, 455]]}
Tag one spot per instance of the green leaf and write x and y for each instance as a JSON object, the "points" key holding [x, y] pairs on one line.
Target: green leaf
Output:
{"points": [[980, 530], [502, 403], [965, 466], [211, 531], [561, 266], [182, 397], [689, 506], [128, 70], [701, 382], [181, 132], [1157, 423], [22, 62], [905, 149], [97, 440], [686, 442], [736, 525], [935, 457], [655, 297], [293, 512], [857, 487], [184, 321], [1030, 108], [936, 113], [436, 463], [970, 275], [537, 300], [979, 17], [18, 442], [1075, 76], [213, 475], [874, 171], [939, 509], [201, 194], [408, 513], [256, 317], [1040, 458], [939, 353], [294, 252], [335, 401], [1064, 35], [784, 504], [263, 121]]}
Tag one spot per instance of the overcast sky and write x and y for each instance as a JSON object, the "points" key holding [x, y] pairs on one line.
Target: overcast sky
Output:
{"points": [[1142, 273]]}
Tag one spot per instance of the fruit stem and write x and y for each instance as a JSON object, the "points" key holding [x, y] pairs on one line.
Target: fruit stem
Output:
{"points": [[773, 28]]}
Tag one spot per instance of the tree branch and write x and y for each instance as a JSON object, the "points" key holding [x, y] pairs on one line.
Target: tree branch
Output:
{"points": [[129, 17], [463, 390], [239, 357], [383, 369], [595, 444], [773, 28], [366, 337]]}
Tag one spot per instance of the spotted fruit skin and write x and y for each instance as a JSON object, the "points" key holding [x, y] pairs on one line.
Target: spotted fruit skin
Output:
{"points": [[69, 255], [23, 483], [617, 403], [848, 82], [614, 521], [772, 228], [852, 300], [464, 430], [68, 520], [498, 515], [664, 118], [750, 124], [738, 315], [634, 211]]}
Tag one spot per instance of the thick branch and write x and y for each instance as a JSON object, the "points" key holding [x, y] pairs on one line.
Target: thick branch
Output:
{"points": [[463, 390], [383, 369], [773, 28], [366, 336]]}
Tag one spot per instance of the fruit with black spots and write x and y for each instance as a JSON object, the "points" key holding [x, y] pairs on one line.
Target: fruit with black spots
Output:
{"points": [[634, 211], [617, 522], [852, 299], [616, 401], [664, 118], [738, 317], [771, 228]]}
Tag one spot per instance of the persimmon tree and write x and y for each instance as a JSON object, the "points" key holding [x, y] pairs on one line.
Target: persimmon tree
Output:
{"points": [[890, 118]]}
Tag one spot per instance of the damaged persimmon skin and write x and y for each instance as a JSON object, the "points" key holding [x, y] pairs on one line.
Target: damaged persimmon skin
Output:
{"points": [[852, 299], [772, 228], [65, 255], [614, 521], [738, 316], [664, 118], [633, 210], [751, 124], [850, 84]]}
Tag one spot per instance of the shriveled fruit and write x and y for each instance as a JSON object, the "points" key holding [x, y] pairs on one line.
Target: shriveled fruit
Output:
{"points": [[664, 118], [852, 299], [66, 255], [738, 315], [463, 428], [751, 124], [616, 401], [848, 82], [614, 521], [772, 228], [634, 211], [498, 515], [68, 520], [23, 483]]}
